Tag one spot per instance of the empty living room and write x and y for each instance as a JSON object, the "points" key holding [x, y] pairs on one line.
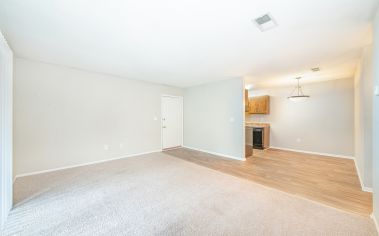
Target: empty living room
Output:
{"points": [[188, 117]]}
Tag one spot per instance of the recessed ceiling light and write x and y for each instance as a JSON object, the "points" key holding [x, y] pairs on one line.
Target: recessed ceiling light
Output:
{"points": [[315, 69], [265, 22]]}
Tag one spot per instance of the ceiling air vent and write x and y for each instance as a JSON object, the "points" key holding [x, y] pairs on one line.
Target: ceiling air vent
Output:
{"points": [[265, 22]]}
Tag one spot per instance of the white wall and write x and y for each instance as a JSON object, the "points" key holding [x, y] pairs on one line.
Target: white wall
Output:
{"points": [[6, 83], [324, 123], [376, 118], [363, 102], [65, 116], [213, 118]]}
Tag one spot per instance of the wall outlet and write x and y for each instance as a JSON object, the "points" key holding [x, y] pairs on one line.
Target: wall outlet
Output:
{"points": [[231, 119], [298, 140], [121, 145], [106, 147], [155, 118]]}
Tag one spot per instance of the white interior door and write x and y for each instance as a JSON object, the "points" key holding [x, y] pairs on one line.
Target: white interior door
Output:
{"points": [[172, 124]]}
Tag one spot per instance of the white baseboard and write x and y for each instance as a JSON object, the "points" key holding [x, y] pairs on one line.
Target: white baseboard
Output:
{"points": [[375, 222], [216, 153], [367, 189], [315, 153], [364, 188], [359, 175], [84, 164]]}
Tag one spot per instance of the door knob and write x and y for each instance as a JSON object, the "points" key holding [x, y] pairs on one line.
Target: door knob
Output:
{"points": [[164, 127]]}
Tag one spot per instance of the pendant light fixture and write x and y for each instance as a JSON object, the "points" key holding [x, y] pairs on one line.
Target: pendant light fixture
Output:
{"points": [[297, 94]]}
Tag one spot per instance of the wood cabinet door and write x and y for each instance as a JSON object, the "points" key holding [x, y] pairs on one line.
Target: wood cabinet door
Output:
{"points": [[253, 106], [247, 100], [259, 105], [263, 105], [266, 105]]}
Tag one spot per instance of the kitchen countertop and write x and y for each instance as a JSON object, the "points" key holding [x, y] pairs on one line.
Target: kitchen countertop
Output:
{"points": [[256, 124]]}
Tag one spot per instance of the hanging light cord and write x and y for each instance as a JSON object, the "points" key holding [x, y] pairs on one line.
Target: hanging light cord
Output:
{"points": [[298, 88], [299, 95]]}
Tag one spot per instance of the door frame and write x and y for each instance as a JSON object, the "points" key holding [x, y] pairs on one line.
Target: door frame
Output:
{"points": [[6, 130], [181, 123]]}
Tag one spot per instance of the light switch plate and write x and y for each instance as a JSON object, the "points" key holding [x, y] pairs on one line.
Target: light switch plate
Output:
{"points": [[376, 90]]}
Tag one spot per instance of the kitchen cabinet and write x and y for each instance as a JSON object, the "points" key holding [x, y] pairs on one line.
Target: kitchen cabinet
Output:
{"points": [[246, 100], [257, 135], [261, 137], [248, 141], [259, 105]]}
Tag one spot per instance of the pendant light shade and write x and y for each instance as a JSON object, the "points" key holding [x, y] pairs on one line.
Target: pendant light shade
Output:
{"points": [[297, 94]]}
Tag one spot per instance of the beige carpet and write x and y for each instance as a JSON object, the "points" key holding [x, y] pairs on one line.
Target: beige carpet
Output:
{"points": [[160, 195]]}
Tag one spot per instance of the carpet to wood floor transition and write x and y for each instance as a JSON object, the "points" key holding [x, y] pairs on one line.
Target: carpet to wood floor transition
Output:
{"points": [[157, 194]]}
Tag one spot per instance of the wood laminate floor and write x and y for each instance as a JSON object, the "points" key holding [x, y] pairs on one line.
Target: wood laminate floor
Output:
{"points": [[328, 180]]}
